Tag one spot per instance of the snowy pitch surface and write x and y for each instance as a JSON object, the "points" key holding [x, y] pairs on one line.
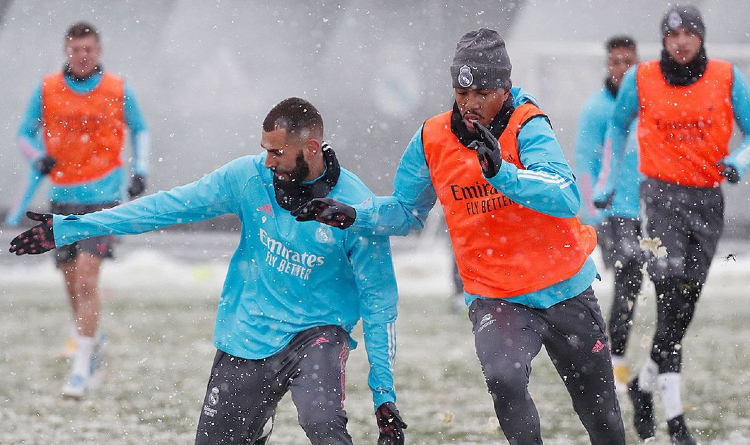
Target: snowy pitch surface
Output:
{"points": [[158, 313]]}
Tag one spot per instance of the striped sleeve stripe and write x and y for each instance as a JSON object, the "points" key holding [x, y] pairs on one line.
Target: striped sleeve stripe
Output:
{"points": [[744, 156], [546, 177], [143, 145], [541, 176], [391, 329]]}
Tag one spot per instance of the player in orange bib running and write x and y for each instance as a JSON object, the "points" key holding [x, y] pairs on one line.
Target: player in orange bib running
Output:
{"points": [[686, 104], [73, 131]]}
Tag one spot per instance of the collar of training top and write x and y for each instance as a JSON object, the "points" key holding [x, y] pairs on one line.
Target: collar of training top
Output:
{"points": [[496, 127], [98, 69], [683, 75], [291, 195], [609, 84]]}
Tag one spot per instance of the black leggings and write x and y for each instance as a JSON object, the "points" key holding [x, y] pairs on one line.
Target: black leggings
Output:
{"points": [[628, 281], [676, 299]]}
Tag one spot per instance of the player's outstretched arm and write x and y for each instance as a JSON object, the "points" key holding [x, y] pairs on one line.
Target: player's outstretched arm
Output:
{"points": [[36, 240], [390, 425]]}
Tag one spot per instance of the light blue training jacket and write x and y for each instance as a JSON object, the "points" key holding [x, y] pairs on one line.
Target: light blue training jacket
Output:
{"points": [[108, 188], [285, 277], [591, 155], [547, 185]]}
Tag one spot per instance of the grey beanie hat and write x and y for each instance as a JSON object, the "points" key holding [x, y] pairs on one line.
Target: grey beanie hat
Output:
{"points": [[481, 61], [687, 16]]}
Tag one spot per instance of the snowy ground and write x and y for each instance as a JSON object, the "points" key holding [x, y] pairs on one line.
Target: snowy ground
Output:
{"points": [[160, 298]]}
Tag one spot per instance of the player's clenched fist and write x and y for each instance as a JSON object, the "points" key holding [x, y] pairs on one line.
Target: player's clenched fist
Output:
{"points": [[488, 151], [390, 425]]}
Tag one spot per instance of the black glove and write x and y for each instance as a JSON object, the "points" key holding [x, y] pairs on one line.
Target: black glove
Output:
{"points": [[390, 425], [38, 239], [326, 211], [607, 203], [488, 151], [45, 164], [137, 185], [729, 172]]}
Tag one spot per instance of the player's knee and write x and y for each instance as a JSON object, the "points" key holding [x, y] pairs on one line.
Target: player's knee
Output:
{"points": [[321, 423], [606, 427], [506, 378], [669, 359]]}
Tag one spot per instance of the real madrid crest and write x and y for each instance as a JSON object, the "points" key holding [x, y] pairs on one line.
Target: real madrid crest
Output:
{"points": [[324, 235], [674, 20], [213, 398], [465, 78]]}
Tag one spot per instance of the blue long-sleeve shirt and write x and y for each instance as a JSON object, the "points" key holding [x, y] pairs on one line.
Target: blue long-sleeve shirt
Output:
{"points": [[591, 156], [102, 190], [626, 110], [547, 185], [285, 277]]}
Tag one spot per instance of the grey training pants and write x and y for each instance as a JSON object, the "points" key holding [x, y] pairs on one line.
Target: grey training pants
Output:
{"points": [[243, 394], [508, 336]]}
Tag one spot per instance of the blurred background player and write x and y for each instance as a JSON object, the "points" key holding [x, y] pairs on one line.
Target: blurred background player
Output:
{"points": [[74, 131], [686, 104], [618, 226], [457, 297], [458, 301]]}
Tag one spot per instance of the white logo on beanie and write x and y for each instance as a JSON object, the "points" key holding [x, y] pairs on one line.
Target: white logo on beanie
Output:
{"points": [[465, 78], [674, 20]]}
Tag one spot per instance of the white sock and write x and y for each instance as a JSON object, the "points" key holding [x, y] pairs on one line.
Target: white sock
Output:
{"points": [[617, 360], [647, 376], [82, 359], [669, 385]]}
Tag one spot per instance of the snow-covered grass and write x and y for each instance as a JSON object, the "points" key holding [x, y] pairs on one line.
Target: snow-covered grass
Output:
{"points": [[158, 314]]}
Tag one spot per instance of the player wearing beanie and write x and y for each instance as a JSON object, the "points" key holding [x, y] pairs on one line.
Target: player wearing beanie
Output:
{"points": [[686, 104], [510, 203]]}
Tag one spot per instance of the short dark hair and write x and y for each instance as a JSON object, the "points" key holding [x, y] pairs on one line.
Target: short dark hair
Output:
{"points": [[295, 115], [622, 41], [81, 29]]}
